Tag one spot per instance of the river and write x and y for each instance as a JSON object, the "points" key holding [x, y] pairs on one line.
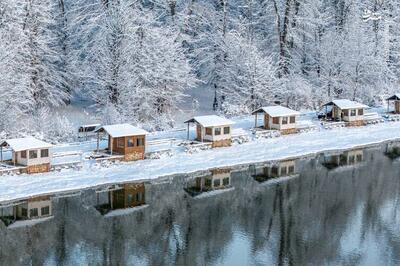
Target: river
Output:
{"points": [[338, 208]]}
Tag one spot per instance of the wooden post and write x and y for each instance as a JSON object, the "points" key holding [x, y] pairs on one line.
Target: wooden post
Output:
{"points": [[188, 130]]}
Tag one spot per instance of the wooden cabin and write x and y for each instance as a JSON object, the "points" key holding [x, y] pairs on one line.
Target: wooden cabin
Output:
{"points": [[345, 110], [346, 158], [396, 100], [124, 139], [121, 197], [35, 208], [278, 118], [281, 169], [214, 129], [219, 179], [30, 152]]}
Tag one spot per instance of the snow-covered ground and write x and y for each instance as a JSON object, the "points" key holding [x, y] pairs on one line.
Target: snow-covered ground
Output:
{"points": [[257, 150]]}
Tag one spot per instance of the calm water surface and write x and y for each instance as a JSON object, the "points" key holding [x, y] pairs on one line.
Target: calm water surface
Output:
{"points": [[335, 209]]}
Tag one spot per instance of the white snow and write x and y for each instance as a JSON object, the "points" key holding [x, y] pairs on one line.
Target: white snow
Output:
{"points": [[211, 121], [122, 130], [127, 211], [213, 193], [348, 104], [255, 151], [277, 111], [28, 223], [23, 144]]}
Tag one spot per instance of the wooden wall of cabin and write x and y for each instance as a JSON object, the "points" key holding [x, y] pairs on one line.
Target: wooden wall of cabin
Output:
{"points": [[397, 107], [266, 121], [121, 197], [131, 153], [198, 133]]}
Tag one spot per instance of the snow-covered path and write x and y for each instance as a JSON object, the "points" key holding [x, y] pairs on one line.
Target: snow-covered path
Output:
{"points": [[15, 187]]}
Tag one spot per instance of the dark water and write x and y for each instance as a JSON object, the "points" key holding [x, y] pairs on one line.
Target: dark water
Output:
{"points": [[335, 209]]}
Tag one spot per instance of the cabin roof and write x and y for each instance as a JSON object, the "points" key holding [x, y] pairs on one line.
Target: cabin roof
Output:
{"points": [[395, 97], [276, 111], [210, 121], [121, 130], [346, 104], [23, 144]]}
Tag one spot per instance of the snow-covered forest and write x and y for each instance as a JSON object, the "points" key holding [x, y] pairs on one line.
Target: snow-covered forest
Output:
{"points": [[136, 61]]}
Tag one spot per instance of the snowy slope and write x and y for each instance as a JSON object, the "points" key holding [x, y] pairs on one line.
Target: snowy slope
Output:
{"points": [[15, 187]]}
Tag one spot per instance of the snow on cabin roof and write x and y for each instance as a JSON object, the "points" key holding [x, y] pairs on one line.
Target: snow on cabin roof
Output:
{"points": [[210, 121], [347, 104], [23, 144], [394, 97], [277, 111], [121, 130]]}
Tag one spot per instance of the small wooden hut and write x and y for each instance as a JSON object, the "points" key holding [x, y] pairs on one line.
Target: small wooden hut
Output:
{"points": [[212, 128], [346, 110], [278, 118], [35, 208], [121, 197], [30, 152], [124, 139], [396, 100]]}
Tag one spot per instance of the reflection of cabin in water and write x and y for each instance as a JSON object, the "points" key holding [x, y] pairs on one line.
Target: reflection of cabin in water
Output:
{"points": [[345, 110], [396, 101], [30, 152], [216, 180], [281, 169], [212, 128], [278, 118], [33, 209], [393, 150], [120, 197], [124, 139], [352, 157]]}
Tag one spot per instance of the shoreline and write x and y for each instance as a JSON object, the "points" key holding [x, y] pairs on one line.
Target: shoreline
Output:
{"points": [[162, 177]]}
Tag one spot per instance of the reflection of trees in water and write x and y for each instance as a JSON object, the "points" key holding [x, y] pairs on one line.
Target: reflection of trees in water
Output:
{"points": [[301, 221]]}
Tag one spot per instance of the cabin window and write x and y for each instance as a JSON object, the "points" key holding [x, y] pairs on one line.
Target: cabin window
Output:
{"points": [[217, 131], [360, 111], [209, 131], [45, 210], [140, 141], [346, 112], [120, 142], [274, 171], [275, 120], [33, 213], [24, 212], [283, 170], [353, 112], [33, 154], [130, 199], [284, 120], [44, 153], [292, 119], [23, 154], [139, 197], [130, 142], [225, 181], [227, 130], [291, 169], [359, 158], [207, 183], [352, 159], [217, 183]]}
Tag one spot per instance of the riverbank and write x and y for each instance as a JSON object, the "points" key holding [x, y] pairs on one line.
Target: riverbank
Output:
{"points": [[261, 150]]}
